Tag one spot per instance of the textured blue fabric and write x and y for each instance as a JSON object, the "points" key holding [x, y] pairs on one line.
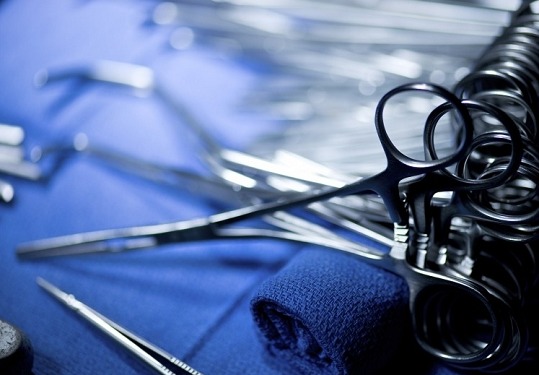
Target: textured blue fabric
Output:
{"points": [[193, 300], [328, 313]]}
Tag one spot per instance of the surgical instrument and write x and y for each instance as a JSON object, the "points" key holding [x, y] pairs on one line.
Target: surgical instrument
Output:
{"points": [[490, 179], [142, 78], [253, 177], [213, 154], [50, 157], [385, 184], [158, 359], [407, 257], [324, 23], [409, 168]]}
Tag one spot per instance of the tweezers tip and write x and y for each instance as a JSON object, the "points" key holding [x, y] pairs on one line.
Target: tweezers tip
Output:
{"points": [[45, 284], [41, 281], [49, 287]]}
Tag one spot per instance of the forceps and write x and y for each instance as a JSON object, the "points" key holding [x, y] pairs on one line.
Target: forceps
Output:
{"points": [[159, 360], [385, 184], [432, 291]]}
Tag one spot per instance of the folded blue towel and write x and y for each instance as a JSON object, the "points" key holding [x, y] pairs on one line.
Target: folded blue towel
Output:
{"points": [[327, 312]]}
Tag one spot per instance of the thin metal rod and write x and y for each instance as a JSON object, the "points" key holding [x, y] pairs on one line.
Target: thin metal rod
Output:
{"points": [[128, 340]]}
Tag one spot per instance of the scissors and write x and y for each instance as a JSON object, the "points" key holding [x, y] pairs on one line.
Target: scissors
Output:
{"points": [[437, 296], [156, 358]]}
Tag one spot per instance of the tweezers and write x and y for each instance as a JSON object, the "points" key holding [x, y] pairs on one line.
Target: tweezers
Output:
{"points": [[158, 359]]}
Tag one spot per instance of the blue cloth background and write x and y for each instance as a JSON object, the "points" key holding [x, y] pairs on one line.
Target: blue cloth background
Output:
{"points": [[192, 300]]}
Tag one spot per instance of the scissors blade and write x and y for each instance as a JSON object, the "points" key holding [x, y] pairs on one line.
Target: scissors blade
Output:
{"points": [[141, 348]]}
